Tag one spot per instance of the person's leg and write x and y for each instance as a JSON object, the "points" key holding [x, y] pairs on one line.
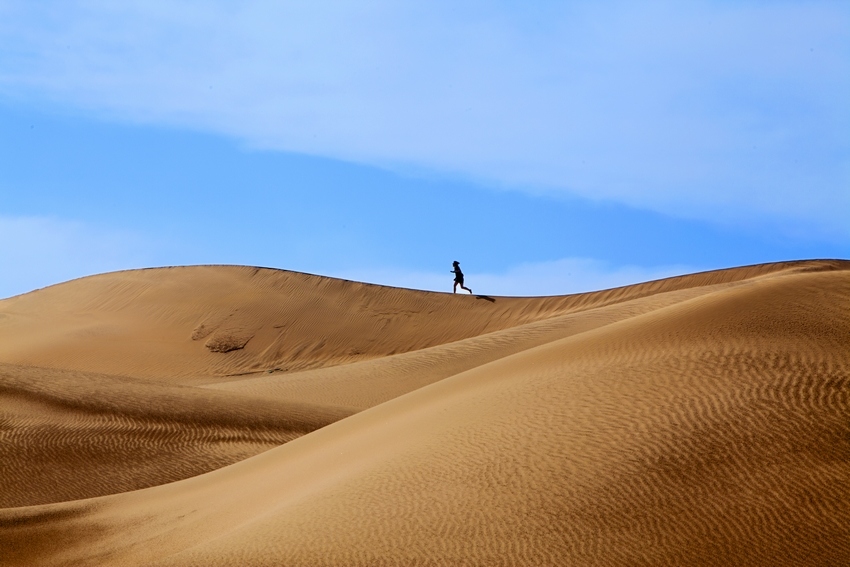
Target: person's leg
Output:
{"points": [[454, 288]]}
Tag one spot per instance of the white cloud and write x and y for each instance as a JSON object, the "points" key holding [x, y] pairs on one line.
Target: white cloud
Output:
{"points": [[558, 277], [36, 252], [709, 109]]}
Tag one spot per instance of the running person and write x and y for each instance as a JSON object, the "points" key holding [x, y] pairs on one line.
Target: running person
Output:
{"points": [[458, 277]]}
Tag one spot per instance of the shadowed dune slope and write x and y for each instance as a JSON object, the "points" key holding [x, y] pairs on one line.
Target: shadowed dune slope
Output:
{"points": [[695, 421], [67, 435]]}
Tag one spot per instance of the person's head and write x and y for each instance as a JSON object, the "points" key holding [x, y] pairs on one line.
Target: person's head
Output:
{"points": [[455, 263]]}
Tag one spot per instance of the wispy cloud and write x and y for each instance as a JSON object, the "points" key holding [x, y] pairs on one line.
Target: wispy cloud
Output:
{"points": [[559, 277], [709, 109], [38, 251]]}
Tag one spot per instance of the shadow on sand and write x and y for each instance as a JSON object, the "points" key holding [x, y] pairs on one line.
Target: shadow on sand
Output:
{"points": [[485, 297]]}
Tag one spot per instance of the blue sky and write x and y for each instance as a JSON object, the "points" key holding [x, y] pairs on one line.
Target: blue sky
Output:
{"points": [[557, 148]]}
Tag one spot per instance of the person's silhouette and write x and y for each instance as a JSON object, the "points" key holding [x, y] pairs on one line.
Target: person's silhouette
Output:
{"points": [[458, 278]]}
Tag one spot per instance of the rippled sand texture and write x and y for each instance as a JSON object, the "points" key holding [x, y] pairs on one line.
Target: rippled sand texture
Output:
{"points": [[235, 416]]}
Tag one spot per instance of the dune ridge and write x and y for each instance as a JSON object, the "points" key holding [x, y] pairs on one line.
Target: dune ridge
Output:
{"points": [[699, 420], [158, 322]]}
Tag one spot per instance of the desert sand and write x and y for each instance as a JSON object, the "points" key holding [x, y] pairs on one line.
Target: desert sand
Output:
{"points": [[222, 415]]}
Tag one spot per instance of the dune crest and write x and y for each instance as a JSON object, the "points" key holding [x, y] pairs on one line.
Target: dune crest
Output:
{"points": [[699, 420]]}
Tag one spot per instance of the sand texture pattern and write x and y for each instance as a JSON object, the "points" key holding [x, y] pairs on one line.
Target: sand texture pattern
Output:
{"points": [[206, 416]]}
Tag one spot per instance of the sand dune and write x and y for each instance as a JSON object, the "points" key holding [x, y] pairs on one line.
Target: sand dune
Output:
{"points": [[700, 420]]}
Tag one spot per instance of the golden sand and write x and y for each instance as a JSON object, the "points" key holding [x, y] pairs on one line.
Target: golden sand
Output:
{"points": [[241, 416]]}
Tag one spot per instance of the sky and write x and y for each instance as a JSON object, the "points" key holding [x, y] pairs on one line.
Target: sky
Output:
{"points": [[550, 147]]}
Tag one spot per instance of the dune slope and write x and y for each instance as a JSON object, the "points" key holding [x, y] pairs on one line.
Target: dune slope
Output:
{"points": [[199, 324], [695, 421], [68, 435]]}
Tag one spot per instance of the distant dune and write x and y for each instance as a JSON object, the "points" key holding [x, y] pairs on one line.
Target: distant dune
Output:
{"points": [[221, 415]]}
